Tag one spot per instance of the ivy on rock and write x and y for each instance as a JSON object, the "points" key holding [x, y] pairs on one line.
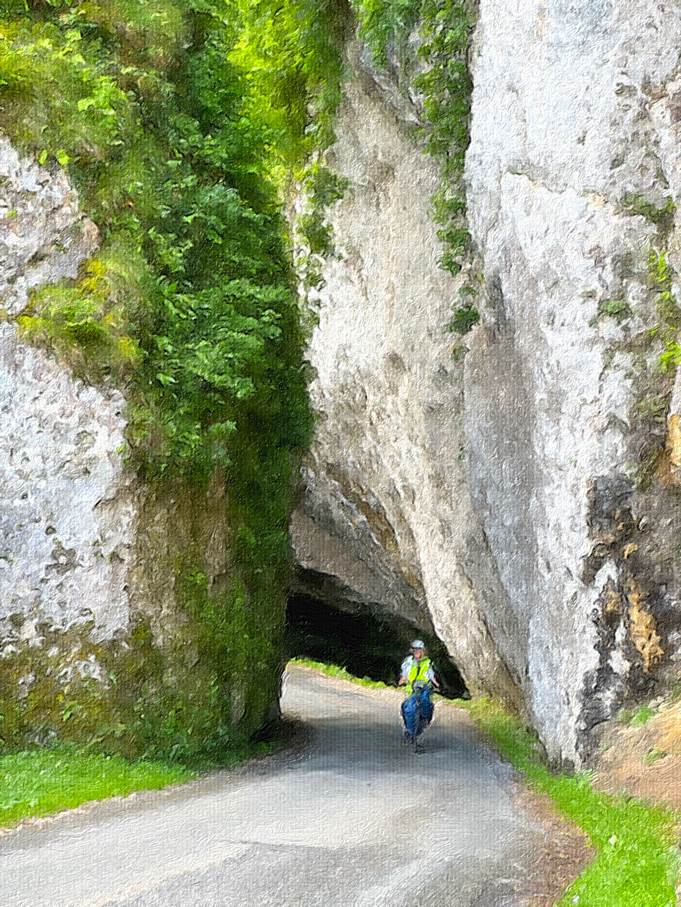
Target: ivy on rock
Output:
{"points": [[442, 31], [173, 142]]}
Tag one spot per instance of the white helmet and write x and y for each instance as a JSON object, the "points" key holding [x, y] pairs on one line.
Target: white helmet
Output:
{"points": [[417, 644]]}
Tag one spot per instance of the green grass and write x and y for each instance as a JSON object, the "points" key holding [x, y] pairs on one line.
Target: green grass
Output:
{"points": [[341, 673], [636, 863], [38, 782], [43, 781], [637, 717]]}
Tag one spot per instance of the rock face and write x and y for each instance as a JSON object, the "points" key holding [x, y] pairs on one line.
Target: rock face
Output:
{"points": [[92, 561], [555, 381], [66, 507], [525, 497], [386, 491]]}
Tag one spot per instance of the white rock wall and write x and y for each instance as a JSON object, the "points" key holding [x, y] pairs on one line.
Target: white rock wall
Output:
{"points": [[567, 122], [66, 507], [504, 491], [386, 475], [66, 512]]}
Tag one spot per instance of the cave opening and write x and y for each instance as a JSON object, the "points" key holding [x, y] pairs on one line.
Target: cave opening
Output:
{"points": [[366, 643]]}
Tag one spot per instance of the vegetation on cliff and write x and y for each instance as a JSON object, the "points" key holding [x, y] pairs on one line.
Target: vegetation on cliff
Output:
{"points": [[442, 31], [191, 297], [173, 136]]}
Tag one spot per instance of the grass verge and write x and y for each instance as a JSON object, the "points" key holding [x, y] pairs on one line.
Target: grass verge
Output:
{"points": [[44, 781], [341, 673], [39, 782], [637, 862]]}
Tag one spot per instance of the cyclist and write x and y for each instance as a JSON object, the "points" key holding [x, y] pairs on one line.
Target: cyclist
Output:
{"points": [[417, 674]]}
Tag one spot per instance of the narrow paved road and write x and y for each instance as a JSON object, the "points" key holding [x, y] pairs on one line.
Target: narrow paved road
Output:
{"points": [[354, 819]]}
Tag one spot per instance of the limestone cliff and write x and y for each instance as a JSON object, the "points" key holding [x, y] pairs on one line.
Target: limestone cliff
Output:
{"points": [[66, 509], [106, 582], [518, 488]]}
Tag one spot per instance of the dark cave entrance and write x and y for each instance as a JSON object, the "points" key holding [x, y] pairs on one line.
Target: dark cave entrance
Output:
{"points": [[363, 642]]}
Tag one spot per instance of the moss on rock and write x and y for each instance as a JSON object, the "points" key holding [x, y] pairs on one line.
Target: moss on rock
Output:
{"points": [[197, 672]]}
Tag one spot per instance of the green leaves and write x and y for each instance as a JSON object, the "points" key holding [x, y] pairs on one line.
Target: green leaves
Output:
{"points": [[56, 95], [444, 27], [291, 52], [661, 276], [464, 319], [385, 24], [84, 322], [191, 300], [322, 188], [172, 118], [446, 86], [670, 358]]}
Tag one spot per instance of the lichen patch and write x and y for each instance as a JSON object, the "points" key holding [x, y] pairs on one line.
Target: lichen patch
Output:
{"points": [[643, 629]]}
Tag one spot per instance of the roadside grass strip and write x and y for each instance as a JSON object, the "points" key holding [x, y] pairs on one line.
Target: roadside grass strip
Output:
{"points": [[39, 782], [637, 862], [341, 673]]}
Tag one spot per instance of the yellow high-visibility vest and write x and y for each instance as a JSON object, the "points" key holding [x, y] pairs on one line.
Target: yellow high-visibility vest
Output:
{"points": [[418, 671]]}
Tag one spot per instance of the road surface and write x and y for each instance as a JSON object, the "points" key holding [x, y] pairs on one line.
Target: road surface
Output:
{"points": [[351, 819]]}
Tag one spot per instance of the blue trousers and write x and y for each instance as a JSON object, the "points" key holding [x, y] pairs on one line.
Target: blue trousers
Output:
{"points": [[417, 712]]}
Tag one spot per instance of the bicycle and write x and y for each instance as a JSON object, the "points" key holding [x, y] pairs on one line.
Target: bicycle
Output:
{"points": [[417, 712]]}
